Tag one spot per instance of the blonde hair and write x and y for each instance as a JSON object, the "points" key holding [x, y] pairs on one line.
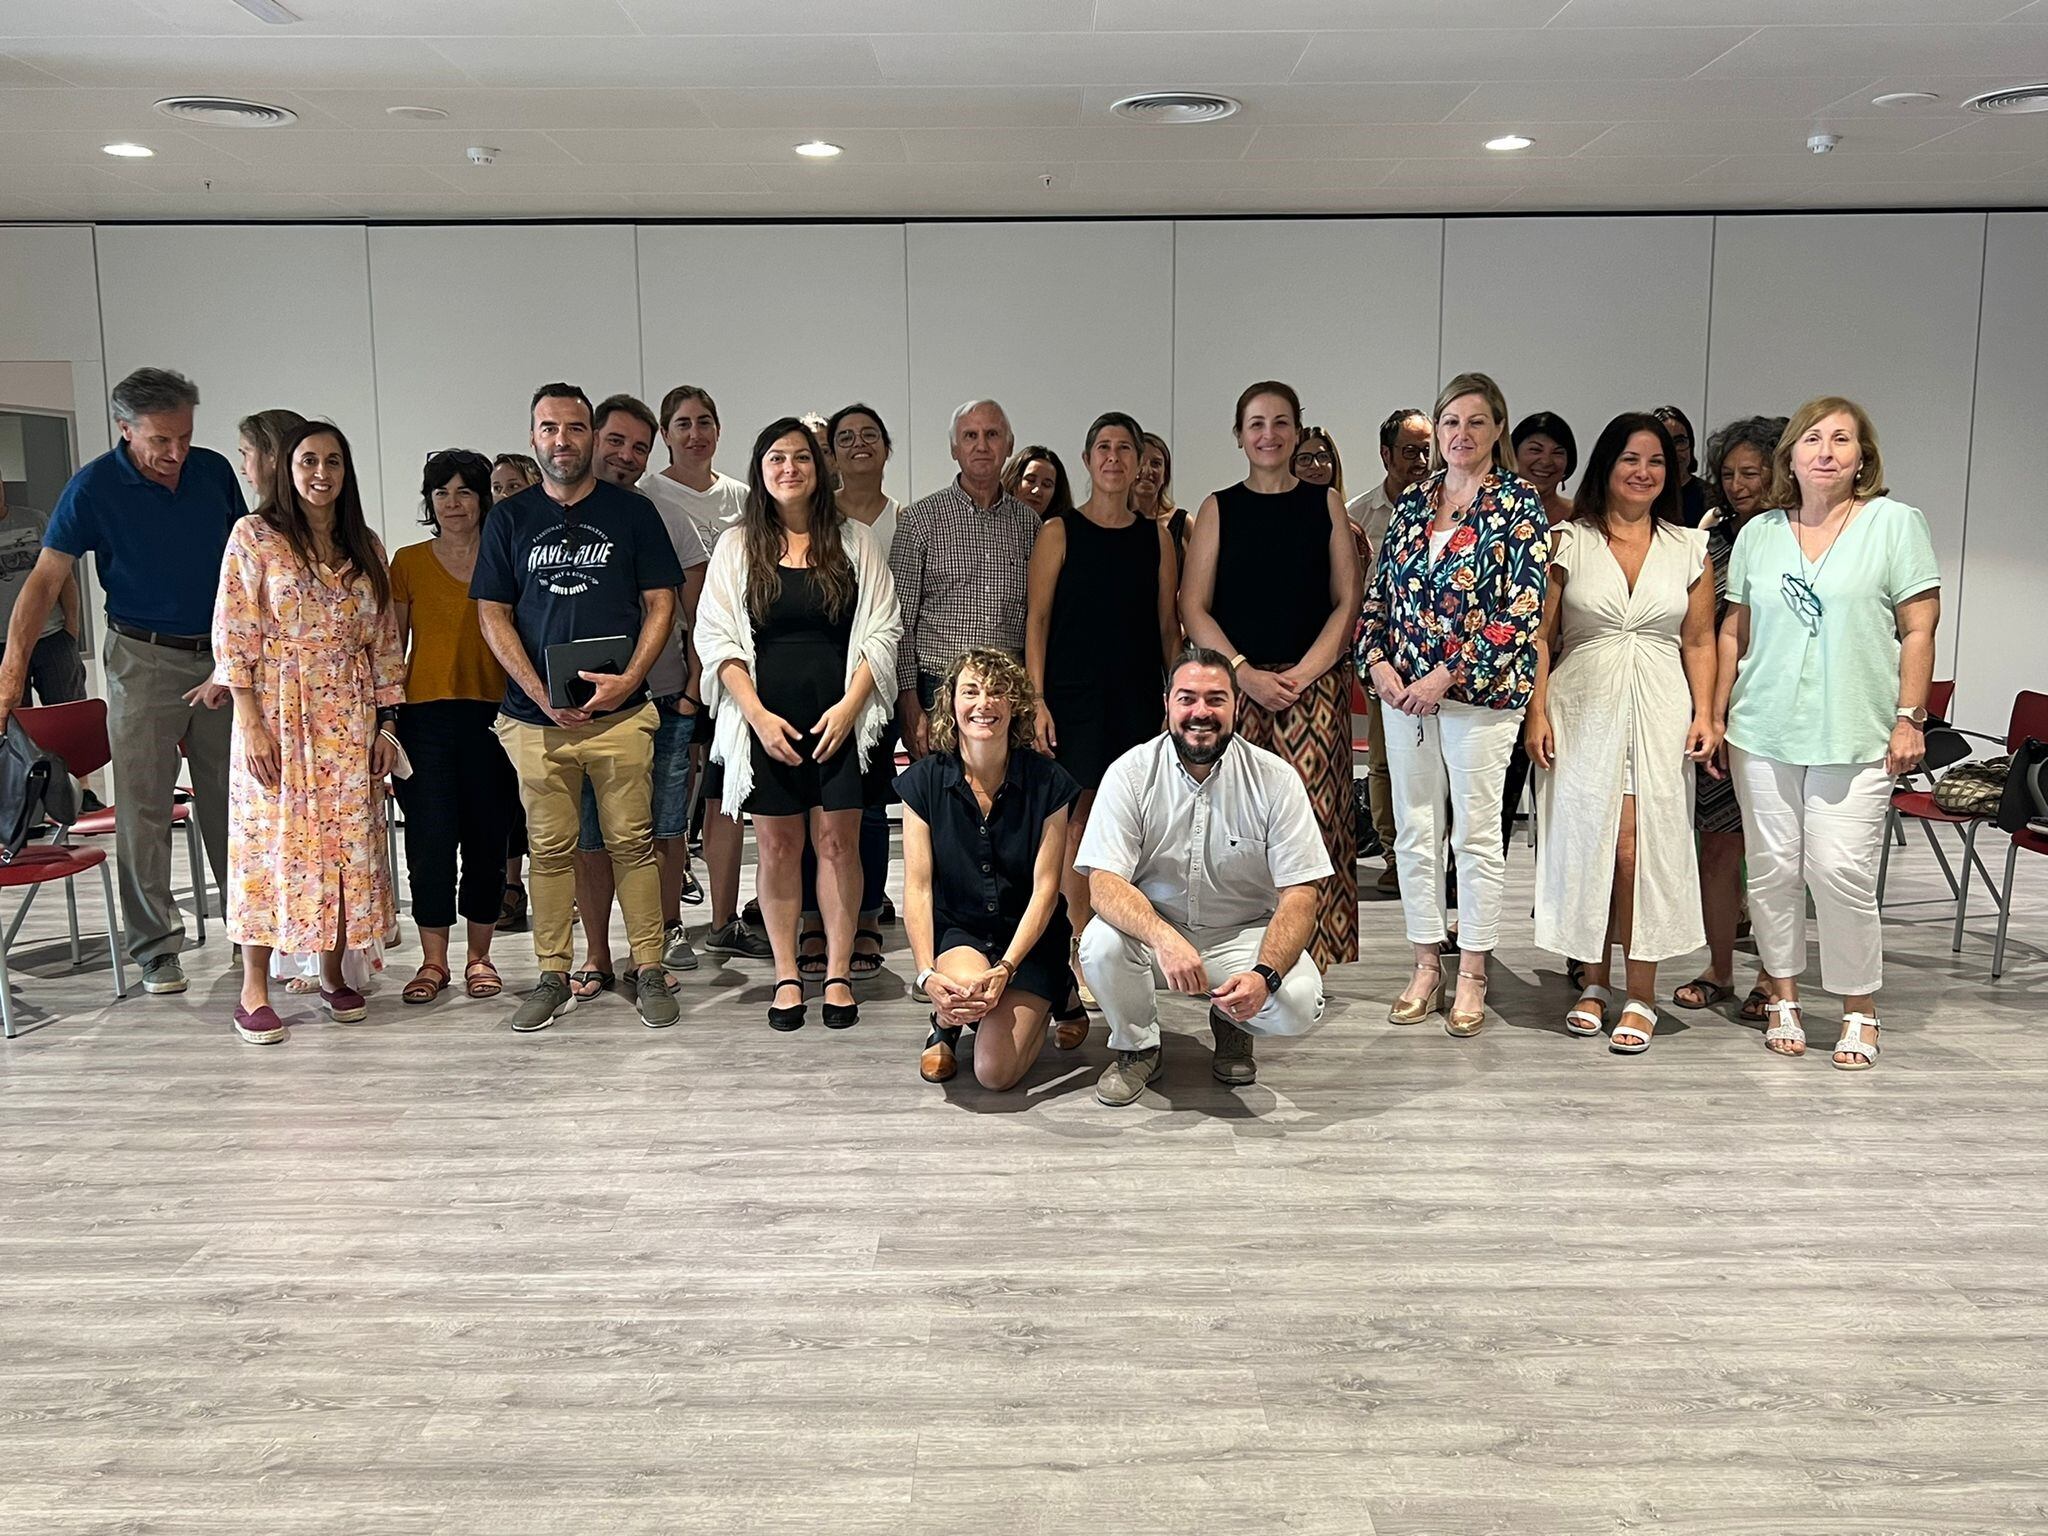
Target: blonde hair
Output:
{"points": [[1000, 673], [1870, 465], [1482, 385]]}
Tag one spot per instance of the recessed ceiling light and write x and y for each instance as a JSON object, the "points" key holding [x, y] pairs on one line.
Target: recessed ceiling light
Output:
{"points": [[1176, 107], [1903, 98], [128, 151], [1507, 143], [818, 149], [416, 114]]}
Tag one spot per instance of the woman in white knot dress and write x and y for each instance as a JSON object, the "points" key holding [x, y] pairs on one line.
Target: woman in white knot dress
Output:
{"points": [[1623, 707]]}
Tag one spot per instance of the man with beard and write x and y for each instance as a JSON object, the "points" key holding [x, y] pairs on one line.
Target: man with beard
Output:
{"points": [[579, 558], [626, 431], [1201, 857]]}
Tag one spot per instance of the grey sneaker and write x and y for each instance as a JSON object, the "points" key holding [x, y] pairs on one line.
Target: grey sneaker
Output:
{"points": [[676, 953], [547, 1002], [736, 938], [1127, 1076], [162, 973], [655, 997], [1233, 1066]]}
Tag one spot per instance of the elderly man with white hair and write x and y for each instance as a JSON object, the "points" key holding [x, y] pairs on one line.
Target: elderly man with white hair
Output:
{"points": [[959, 561]]}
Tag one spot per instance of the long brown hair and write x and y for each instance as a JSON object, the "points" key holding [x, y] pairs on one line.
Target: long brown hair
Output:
{"points": [[283, 513], [831, 567]]}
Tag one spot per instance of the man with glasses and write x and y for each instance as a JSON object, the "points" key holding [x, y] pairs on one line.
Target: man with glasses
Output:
{"points": [[1405, 437]]}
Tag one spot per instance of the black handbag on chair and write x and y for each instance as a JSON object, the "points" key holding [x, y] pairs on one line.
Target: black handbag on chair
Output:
{"points": [[2026, 797], [35, 790]]}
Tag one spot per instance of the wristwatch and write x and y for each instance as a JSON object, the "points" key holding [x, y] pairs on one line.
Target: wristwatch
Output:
{"points": [[926, 975], [1269, 976], [1914, 716]]}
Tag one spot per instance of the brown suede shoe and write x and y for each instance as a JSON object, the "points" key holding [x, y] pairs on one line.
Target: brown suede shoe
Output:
{"points": [[936, 1065]]}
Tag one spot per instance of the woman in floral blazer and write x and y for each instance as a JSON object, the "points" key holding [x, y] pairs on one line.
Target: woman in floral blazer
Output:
{"points": [[1447, 641]]}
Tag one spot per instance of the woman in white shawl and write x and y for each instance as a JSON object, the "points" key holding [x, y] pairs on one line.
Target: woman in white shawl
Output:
{"points": [[797, 624]]}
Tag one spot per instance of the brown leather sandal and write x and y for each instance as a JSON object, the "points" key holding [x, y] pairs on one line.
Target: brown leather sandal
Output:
{"points": [[480, 978], [426, 983]]}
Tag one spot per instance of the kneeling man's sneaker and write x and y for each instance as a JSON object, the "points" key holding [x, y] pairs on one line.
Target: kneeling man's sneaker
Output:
{"points": [[1127, 1076], [162, 973], [1233, 1065]]}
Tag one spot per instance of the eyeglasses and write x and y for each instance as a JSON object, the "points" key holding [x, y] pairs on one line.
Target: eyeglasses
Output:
{"points": [[1414, 455], [1322, 459], [866, 437], [1804, 602]]}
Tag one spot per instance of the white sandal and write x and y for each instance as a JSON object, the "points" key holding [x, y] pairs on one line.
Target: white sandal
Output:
{"points": [[1640, 1037], [1590, 1023], [1852, 1042], [1788, 1028]]}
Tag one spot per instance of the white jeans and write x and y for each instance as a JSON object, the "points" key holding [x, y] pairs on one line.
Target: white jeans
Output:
{"points": [[1126, 979], [1820, 829], [1463, 757]]}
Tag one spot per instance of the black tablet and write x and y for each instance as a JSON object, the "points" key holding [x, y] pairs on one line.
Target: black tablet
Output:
{"points": [[568, 690]]}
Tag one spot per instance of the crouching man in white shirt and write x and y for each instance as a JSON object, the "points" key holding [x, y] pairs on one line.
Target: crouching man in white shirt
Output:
{"points": [[1201, 857]]}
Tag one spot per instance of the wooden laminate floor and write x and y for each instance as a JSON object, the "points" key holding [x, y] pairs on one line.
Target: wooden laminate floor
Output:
{"points": [[418, 1275]]}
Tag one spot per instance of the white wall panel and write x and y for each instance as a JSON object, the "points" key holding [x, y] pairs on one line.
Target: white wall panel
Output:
{"points": [[1060, 322], [469, 321], [1585, 317], [1882, 308], [777, 320], [2005, 548], [257, 316], [1344, 310]]}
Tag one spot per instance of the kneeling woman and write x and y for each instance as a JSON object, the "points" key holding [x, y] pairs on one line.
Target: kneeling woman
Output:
{"points": [[984, 844]]}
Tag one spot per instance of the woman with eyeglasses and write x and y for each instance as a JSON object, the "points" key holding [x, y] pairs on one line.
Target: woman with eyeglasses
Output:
{"points": [[1827, 654], [1317, 462], [1691, 496]]}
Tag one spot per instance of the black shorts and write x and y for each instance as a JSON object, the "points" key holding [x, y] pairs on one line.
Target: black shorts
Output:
{"points": [[1045, 972]]}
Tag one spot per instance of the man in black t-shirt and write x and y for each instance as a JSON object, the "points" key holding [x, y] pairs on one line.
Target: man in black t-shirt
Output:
{"points": [[576, 558]]}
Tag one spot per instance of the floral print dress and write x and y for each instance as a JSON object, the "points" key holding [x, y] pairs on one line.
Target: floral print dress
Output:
{"points": [[322, 660], [1477, 609]]}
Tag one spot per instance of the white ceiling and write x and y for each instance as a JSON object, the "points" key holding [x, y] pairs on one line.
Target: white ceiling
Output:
{"points": [[690, 107]]}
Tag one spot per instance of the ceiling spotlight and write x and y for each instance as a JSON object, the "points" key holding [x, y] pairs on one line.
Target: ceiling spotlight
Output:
{"points": [[128, 151], [818, 149], [1903, 98], [1508, 143], [270, 11], [416, 114]]}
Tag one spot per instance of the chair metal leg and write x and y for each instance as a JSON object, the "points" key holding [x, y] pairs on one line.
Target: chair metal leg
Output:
{"points": [[197, 855], [2012, 852], [6, 998], [1963, 890], [114, 944], [1947, 870], [28, 900], [71, 911], [1884, 859]]}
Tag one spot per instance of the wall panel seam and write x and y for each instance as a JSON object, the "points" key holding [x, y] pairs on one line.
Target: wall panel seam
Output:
{"points": [[1970, 447]]}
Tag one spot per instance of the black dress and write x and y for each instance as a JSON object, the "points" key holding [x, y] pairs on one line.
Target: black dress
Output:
{"points": [[800, 672], [1103, 671], [983, 868], [1272, 591]]}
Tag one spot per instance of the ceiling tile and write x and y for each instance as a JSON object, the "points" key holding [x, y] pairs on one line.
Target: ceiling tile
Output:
{"points": [[1316, 15], [710, 146], [18, 72], [1763, 13], [1201, 177], [1652, 100], [387, 146], [72, 18], [800, 17], [476, 108], [909, 106], [1416, 141], [1840, 169], [1747, 136], [1109, 141], [1342, 102], [1936, 50], [250, 65], [665, 62], [1628, 53], [401, 18], [1156, 60], [78, 146], [537, 187]]}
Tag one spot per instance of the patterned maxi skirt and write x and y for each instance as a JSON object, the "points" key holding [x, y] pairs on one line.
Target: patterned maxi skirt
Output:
{"points": [[1315, 736]]}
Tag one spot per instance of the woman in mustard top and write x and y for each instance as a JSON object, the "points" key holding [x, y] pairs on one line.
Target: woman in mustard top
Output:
{"points": [[461, 792]]}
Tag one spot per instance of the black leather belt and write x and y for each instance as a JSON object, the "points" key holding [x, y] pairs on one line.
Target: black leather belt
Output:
{"points": [[151, 637]]}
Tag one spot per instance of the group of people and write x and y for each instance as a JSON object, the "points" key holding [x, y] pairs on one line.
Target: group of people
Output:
{"points": [[1698, 670]]}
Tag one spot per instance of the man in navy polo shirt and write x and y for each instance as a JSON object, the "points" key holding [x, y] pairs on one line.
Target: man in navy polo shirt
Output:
{"points": [[156, 512], [578, 558]]}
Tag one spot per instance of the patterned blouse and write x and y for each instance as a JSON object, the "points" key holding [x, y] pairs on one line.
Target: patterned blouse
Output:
{"points": [[1477, 609]]}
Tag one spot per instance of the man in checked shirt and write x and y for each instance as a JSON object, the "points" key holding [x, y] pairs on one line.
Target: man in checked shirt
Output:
{"points": [[959, 561]]}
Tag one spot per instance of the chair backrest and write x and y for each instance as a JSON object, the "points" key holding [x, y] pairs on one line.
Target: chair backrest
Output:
{"points": [[2029, 718], [1359, 703], [1940, 696], [76, 732]]}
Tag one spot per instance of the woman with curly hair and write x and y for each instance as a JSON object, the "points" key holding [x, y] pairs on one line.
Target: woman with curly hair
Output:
{"points": [[984, 845]]}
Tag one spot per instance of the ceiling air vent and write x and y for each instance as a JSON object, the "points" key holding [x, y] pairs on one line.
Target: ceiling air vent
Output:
{"points": [[225, 112], [1175, 107], [2016, 98]]}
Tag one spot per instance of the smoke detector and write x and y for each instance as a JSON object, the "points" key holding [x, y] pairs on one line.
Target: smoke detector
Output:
{"points": [[483, 154], [226, 112], [2014, 98], [1176, 107], [1822, 143]]}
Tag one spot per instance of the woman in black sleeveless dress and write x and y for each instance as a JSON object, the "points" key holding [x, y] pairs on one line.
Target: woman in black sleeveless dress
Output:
{"points": [[1100, 628], [1273, 583]]}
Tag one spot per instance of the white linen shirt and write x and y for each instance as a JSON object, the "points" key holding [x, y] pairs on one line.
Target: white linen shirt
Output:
{"points": [[1207, 854]]}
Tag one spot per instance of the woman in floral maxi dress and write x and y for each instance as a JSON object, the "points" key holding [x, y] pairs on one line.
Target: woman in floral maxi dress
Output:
{"points": [[304, 636]]}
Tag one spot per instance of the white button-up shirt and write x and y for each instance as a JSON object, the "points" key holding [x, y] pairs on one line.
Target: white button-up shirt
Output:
{"points": [[1213, 853]]}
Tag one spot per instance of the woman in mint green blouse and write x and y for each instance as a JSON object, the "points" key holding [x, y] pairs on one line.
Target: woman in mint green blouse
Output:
{"points": [[1827, 653]]}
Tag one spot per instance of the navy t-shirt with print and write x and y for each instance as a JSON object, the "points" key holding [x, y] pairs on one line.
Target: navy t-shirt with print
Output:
{"points": [[571, 573]]}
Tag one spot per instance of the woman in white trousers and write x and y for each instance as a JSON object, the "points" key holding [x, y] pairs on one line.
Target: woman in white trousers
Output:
{"points": [[1827, 652], [1447, 641]]}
